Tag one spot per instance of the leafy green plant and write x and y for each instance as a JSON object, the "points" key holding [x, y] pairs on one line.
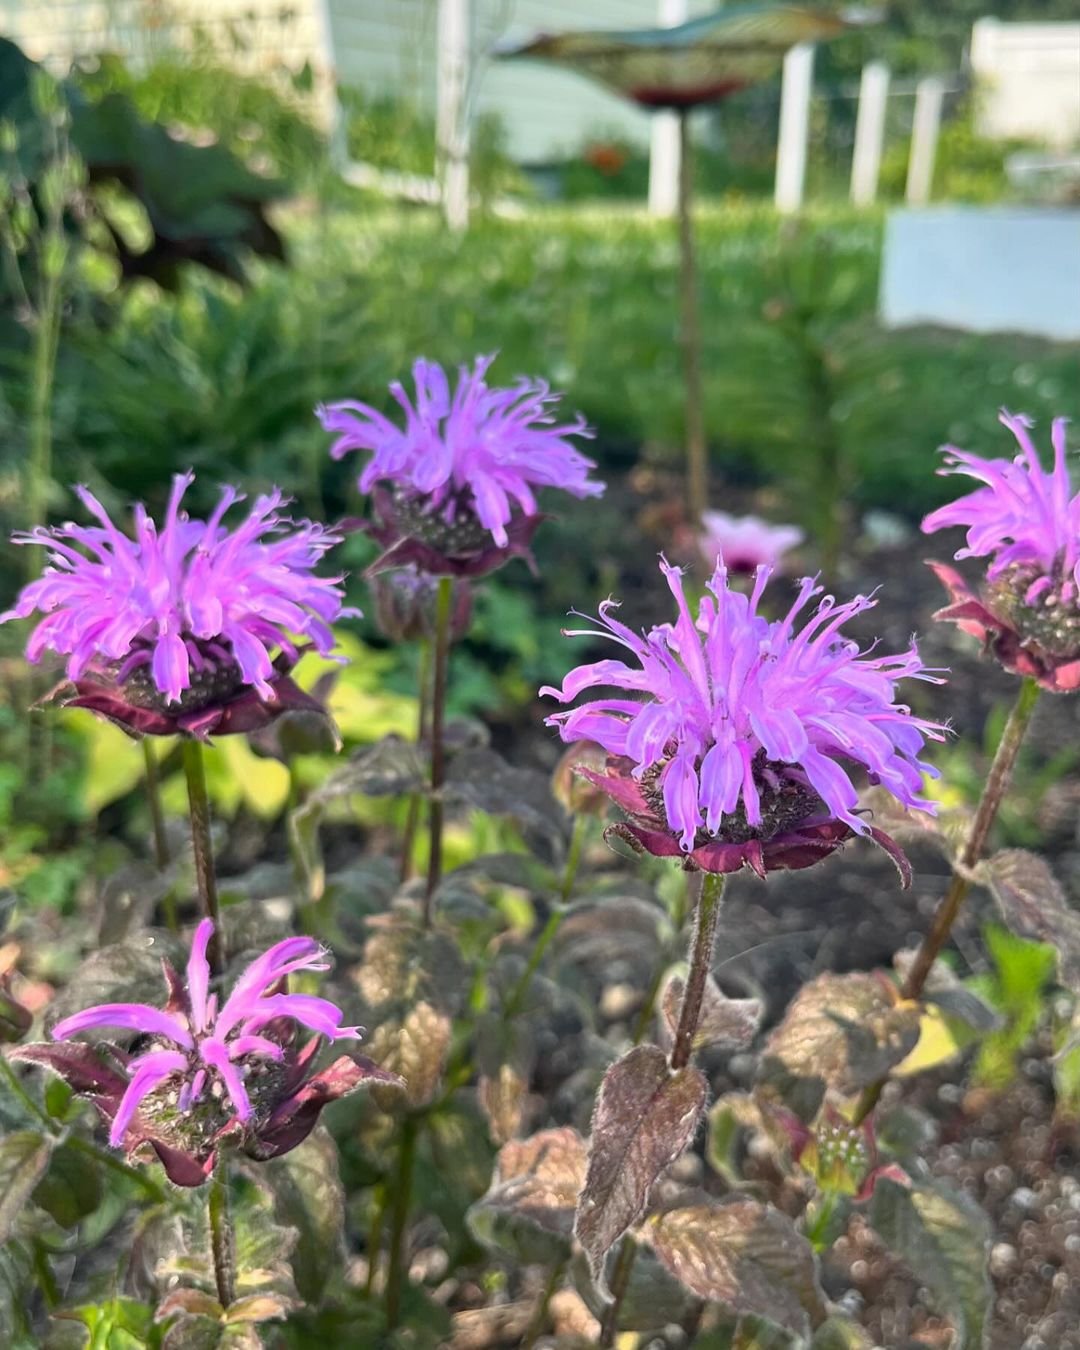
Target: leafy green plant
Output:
{"points": [[1016, 988]]}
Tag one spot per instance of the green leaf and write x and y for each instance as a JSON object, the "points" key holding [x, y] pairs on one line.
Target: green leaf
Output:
{"points": [[71, 1187], [944, 1237], [115, 1324], [1034, 906], [309, 1196], [24, 1156]]}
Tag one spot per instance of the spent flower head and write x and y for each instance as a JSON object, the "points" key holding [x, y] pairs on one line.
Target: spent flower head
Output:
{"points": [[730, 740], [744, 542], [206, 1075], [454, 489], [1026, 520], [189, 626]]}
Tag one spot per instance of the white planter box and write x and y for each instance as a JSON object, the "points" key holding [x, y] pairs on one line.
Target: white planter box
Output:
{"points": [[985, 269]]}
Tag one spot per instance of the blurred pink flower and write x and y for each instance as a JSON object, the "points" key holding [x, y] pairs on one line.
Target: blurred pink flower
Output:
{"points": [[744, 543]]}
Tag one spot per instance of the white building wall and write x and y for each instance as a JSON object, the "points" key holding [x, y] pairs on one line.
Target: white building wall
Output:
{"points": [[1028, 80]]}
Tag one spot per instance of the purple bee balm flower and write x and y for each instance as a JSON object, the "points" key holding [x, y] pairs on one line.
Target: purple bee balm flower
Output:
{"points": [[728, 743], [203, 1075], [744, 542], [454, 490], [1027, 521], [174, 629]]}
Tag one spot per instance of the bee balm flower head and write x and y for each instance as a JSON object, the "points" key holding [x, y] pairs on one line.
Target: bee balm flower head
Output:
{"points": [[454, 489], [186, 627], [1026, 520], [744, 542], [204, 1075], [730, 740]]}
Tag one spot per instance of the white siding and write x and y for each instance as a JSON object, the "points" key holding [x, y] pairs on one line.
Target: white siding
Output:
{"points": [[384, 45], [1029, 80]]}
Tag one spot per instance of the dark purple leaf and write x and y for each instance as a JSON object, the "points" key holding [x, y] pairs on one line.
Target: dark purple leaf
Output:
{"points": [[645, 1116]]}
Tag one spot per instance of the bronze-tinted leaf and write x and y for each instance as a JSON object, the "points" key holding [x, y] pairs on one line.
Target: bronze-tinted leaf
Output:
{"points": [[841, 1032], [1034, 905], [257, 1308], [505, 1054], [24, 1156], [653, 1298], [414, 1048], [645, 1116], [502, 1097], [727, 1023], [528, 1210], [944, 1237], [745, 1255], [412, 982]]}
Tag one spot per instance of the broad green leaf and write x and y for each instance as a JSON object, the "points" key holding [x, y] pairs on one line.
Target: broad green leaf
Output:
{"points": [[943, 1236], [24, 1156]]}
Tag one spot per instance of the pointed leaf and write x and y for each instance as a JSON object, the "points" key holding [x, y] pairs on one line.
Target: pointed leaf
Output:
{"points": [[71, 1187], [528, 1210], [944, 1237], [24, 1156], [727, 1023], [483, 781], [840, 1031], [309, 1196], [1035, 906], [745, 1255], [645, 1116]]}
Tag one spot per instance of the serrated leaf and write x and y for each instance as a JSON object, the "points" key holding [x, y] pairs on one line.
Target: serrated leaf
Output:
{"points": [[943, 1236], [309, 1196], [645, 1116], [24, 1156], [113, 1324], [505, 1054], [726, 1023], [745, 1255], [483, 781], [127, 971], [70, 1188], [653, 1298], [841, 1032], [528, 1210], [257, 1308], [412, 982], [1034, 905]]}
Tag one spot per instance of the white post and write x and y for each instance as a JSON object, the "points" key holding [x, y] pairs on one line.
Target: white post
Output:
{"points": [[929, 96], [451, 123], [869, 133], [664, 146], [794, 126]]}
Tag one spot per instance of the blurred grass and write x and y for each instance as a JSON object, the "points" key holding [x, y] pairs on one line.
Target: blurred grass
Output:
{"points": [[798, 373]]}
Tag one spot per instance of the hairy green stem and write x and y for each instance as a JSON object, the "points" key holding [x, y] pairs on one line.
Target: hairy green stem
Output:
{"points": [[997, 784], [620, 1282], [443, 610], [399, 1220], [412, 819], [697, 487], [205, 877], [221, 1234], [706, 923]]}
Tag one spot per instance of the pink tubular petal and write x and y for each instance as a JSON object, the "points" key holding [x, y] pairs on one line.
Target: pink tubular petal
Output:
{"points": [[126, 1017], [317, 1014], [198, 974], [216, 1054], [296, 953]]}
